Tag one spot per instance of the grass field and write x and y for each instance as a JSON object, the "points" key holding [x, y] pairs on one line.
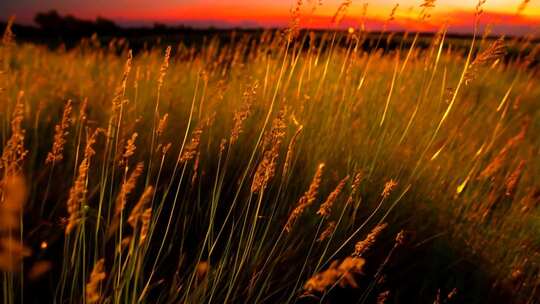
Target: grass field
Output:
{"points": [[271, 170]]}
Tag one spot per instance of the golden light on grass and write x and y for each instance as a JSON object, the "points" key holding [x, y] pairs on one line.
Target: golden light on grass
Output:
{"points": [[307, 199], [272, 141], [13, 192], [14, 152], [326, 207], [60, 133], [342, 274], [388, 187], [254, 167], [327, 231], [139, 209], [93, 294], [242, 114], [128, 186], [192, 147], [77, 193], [362, 246]]}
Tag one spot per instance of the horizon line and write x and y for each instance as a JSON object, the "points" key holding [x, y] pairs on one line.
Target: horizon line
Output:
{"points": [[457, 21]]}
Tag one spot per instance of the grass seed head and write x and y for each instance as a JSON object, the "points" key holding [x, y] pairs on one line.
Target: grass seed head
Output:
{"points": [[342, 274], [327, 232], [127, 187], [243, 113], [14, 152], [8, 35], [137, 212], [130, 148], [162, 124], [307, 199], [145, 224], [77, 193], [267, 167], [60, 133], [93, 294], [191, 149], [13, 192], [326, 207], [363, 246], [388, 187]]}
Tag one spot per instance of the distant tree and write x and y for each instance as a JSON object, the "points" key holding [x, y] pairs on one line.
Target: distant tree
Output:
{"points": [[51, 21], [106, 26], [160, 26]]}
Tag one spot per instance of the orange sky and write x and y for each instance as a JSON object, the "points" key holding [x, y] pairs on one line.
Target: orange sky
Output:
{"points": [[271, 13]]}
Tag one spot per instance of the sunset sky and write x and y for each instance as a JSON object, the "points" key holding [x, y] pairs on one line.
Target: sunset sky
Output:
{"points": [[501, 14]]}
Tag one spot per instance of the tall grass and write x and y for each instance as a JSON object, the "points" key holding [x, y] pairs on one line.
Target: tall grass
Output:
{"points": [[196, 175]]}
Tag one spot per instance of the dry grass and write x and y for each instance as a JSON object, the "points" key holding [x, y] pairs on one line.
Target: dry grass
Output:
{"points": [[186, 169]]}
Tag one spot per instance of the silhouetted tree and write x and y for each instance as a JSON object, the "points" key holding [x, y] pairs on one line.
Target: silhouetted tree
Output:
{"points": [[50, 20], [53, 22]]}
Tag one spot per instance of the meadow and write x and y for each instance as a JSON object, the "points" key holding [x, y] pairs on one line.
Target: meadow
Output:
{"points": [[271, 169]]}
